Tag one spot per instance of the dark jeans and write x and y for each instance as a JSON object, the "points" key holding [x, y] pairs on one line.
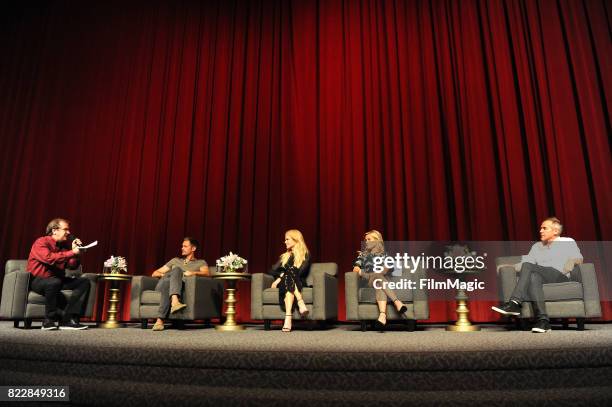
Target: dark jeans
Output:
{"points": [[170, 284], [51, 289], [530, 286]]}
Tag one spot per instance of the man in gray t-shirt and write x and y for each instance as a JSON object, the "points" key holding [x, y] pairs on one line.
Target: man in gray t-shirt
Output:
{"points": [[171, 279]]}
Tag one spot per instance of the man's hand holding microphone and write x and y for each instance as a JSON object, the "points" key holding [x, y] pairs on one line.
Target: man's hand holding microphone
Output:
{"points": [[76, 244]]}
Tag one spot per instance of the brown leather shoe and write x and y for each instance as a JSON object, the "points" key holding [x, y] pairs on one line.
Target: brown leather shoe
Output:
{"points": [[177, 308]]}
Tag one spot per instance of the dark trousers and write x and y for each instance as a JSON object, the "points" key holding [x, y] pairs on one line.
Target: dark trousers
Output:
{"points": [[51, 289], [170, 284], [530, 286]]}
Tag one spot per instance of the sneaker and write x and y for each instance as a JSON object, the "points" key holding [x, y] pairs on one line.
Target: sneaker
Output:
{"points": [[49, 325], [542, 326], [176, 308], [72, 325], [158, 327], [509, 308]]}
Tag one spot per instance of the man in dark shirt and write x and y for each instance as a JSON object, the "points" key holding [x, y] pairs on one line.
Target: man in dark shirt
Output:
{"points": [[48, 260]]}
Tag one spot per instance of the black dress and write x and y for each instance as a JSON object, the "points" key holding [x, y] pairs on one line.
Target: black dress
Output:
{"points": [[292, 277]]}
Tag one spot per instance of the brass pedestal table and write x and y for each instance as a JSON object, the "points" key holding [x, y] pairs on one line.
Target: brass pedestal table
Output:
{"points": [[115, 297], [231, 278], [463, 323]]}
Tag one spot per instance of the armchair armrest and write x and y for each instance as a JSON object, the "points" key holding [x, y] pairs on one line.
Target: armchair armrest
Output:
{"points": [[419, 299], [259, 282], [91, 297], [139, 284], [592, 306], [15, 294], [203, 296], [420, 305], [324, 296], [506, 280], [351, 292]]}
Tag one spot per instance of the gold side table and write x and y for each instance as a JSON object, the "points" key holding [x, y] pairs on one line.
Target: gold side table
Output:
{"points": [[230, 320], [115, 298], [463, 323]]}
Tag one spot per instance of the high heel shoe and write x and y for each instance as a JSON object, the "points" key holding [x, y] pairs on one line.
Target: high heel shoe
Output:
{"points": [[379, 325], [402, 310], [287, 322], [302, 307]]}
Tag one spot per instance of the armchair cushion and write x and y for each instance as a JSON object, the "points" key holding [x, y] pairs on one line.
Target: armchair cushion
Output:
{"points": [[571, 290], [150, 297], [34, 298]]}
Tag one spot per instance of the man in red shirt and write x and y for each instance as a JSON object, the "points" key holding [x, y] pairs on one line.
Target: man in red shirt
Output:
{"points": [[48, 260]]}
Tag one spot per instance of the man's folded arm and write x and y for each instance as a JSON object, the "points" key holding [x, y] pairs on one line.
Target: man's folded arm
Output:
{"points": [[42, 253], [160, 271]]}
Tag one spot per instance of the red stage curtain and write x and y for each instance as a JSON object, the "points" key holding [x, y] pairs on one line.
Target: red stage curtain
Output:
{"points": [[232, 121]]}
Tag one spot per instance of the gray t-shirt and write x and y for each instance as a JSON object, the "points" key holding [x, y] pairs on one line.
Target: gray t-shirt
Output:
{"points": [[554, 255], [192, 265]]}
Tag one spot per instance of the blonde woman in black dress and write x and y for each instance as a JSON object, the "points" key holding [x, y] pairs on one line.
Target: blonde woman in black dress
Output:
{"points": [[364, 264], [290, 272]]}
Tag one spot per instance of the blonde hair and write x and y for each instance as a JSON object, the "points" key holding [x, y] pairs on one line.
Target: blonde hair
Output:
{"points": [[378, 247], [299, 251]]}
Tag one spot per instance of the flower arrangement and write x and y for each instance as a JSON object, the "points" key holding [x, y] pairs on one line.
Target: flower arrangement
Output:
{"points": [[456, 259], [231, 263], [116, 264], [457, 250]]}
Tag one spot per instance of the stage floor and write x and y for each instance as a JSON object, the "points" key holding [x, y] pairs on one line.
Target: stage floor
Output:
{"points": [[340, 338], [341, 364]]}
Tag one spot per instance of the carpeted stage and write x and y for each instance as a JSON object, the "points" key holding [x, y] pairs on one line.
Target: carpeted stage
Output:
{"points": [[340, 365]]}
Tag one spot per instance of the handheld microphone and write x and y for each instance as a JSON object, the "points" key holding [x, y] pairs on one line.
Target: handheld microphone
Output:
{"points": [[72, 238]]}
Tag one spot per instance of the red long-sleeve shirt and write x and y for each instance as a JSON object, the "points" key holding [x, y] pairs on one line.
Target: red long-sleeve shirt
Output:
{"points": [[48, 259]]}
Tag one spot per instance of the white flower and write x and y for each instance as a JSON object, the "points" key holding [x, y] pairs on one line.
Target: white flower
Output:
{"points": [[231, 262], [116, 264]]}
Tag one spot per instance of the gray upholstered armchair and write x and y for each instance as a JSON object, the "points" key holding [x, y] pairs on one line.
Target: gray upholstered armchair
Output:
{"points": [[573, 299], [361, 300], [19, 303], [203, 296], [321, 297]]}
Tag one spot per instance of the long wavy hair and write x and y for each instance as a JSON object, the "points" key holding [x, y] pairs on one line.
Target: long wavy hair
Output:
{"points": [[299, 251], [376, 247]]}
